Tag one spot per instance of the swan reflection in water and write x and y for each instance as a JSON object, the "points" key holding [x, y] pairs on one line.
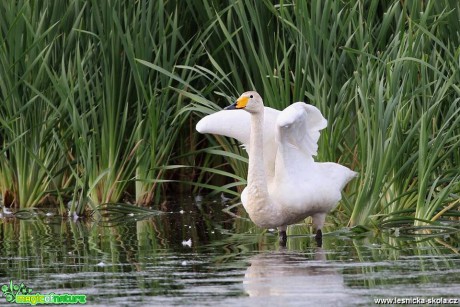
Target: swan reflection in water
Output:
{"points": [[289, 274]]}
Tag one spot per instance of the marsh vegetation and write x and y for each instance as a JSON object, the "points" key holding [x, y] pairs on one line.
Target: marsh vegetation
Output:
{"points": [[99, 99]]}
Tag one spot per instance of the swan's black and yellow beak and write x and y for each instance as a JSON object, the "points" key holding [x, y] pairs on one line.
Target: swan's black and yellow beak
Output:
{"points": [[239, 104]]}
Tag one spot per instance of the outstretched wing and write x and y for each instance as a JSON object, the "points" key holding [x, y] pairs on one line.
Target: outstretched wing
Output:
{"points": [[237, 124], [232, 123], [299, 126]]}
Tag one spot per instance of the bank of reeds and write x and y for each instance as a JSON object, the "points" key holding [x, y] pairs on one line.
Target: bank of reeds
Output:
{"points": [[99, 98]]}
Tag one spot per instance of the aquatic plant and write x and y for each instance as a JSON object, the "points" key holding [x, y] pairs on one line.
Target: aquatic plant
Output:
{"points": [[385, 77], [85, 117], [99, 99]]}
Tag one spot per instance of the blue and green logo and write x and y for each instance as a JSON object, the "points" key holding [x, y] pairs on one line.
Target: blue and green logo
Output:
{"points": [[20, 294]]}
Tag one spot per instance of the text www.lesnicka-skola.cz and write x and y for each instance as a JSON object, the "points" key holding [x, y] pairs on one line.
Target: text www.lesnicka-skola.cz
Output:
{"points": [[417, 300]]}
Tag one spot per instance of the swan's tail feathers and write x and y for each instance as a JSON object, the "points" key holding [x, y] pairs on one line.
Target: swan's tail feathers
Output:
{"points": [[341, 174], [348, 175], [299, 125], [351, 175]]}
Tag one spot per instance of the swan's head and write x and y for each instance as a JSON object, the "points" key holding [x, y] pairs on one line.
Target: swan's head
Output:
{"points": [[248, 101]]}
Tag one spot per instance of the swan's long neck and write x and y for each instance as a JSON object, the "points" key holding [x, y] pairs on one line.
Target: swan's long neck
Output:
{"points": [[257, 182]]}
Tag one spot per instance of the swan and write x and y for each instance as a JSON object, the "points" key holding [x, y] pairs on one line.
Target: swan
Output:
{"points": [[284, 184], [280, 275]]}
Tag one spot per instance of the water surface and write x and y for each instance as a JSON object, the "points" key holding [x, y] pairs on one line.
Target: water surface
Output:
{"points": [[203, 254]]}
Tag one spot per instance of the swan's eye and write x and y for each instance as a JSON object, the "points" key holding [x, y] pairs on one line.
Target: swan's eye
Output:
{"points": [[251, 96]]}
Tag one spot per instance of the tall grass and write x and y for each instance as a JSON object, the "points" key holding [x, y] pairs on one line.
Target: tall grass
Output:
{"points": [[31, 163], [85, 117], [100, 99], [386, 77]]}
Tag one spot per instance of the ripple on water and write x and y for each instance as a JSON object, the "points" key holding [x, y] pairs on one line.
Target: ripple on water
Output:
{"points": [[146, 263]]}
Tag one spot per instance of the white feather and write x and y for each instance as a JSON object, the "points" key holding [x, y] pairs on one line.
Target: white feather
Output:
{"points": [[289, 185]]}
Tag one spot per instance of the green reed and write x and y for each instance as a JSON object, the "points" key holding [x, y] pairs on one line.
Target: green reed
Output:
{"points": [[31, 162], [385, 77], [99, 99]]}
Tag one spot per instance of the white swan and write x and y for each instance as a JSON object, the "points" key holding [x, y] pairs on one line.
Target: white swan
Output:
{"points": [[285, 184]]}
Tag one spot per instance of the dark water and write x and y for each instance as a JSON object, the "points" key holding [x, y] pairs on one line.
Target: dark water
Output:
{"points": [[202, 254]]}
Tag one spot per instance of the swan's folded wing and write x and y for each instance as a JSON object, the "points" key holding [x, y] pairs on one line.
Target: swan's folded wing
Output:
{"points": [[299, 126]]}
